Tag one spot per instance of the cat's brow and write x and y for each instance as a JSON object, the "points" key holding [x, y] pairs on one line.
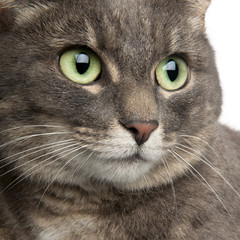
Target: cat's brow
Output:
{"points": [[91, 35]]}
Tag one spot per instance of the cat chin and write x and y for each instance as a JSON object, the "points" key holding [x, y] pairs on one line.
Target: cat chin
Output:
{"points": [[126, 171], [125, 175], [99, 173], [116, 173]]}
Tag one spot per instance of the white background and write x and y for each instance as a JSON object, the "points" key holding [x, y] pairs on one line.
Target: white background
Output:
{"points": [[223, 29]]}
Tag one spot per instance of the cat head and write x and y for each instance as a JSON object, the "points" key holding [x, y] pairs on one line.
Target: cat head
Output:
{"points": [[103, 91]]}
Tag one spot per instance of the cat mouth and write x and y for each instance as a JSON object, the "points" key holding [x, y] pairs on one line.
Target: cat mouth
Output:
{"points": [[135, 158]]}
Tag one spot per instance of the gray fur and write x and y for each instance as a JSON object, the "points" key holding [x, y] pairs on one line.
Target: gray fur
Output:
{"points": [[106, 191]]}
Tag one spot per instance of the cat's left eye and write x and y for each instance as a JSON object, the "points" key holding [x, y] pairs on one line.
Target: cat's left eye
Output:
{"points": [[80, 65], [172, 73]]}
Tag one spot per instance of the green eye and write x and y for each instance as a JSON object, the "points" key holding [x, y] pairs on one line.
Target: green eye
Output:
{"points": [[80, 65], [172, 73]]}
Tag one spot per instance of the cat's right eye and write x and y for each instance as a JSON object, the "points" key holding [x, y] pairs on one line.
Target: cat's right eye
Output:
{"points": [[172, 73], [80, 65]]}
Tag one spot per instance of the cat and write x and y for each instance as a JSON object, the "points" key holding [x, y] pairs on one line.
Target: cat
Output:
{"points": [[109, 123]]}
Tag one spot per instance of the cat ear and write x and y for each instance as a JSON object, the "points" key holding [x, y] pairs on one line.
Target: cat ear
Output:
{"points": [[200, 5], [7, 15]]}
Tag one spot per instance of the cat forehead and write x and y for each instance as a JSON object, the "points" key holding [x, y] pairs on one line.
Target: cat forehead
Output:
{"points": [[126, 16], [119, 27], [130, 4], [131, 9], [137, 21]]}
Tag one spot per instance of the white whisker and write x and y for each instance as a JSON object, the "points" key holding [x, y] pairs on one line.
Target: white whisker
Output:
{"points": [[204, 141], [29, 126], [69, 151], [165, 163], [200, 175], [213, 168], [38, 147], [83, 162], [46, 154], [32, 136], [57, 175], [195, 151]]}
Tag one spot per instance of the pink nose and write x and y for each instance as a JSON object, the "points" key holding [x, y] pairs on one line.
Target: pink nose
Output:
{"points": [[141, 130]]}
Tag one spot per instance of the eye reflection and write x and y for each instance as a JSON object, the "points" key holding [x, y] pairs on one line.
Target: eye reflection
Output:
{"points": [[82, 62], [172, 70]]}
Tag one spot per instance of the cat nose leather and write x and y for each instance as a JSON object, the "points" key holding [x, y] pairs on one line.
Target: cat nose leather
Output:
{"points": [[141, 130]]}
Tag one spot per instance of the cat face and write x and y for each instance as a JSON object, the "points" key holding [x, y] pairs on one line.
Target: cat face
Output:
{"points": [[119, 124]]}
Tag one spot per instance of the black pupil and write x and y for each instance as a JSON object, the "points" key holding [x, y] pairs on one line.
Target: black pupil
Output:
{"points": [[82, 62], [172, 70]]}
